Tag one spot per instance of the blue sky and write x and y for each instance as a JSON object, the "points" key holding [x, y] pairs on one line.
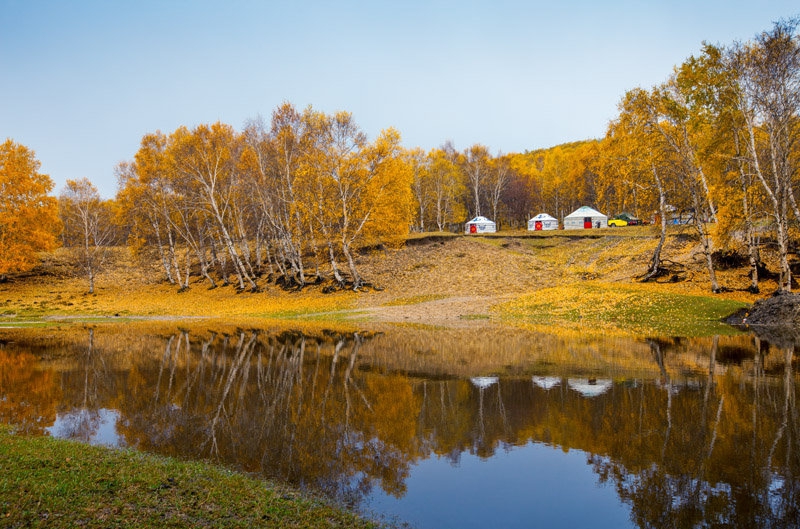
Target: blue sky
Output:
{"points": [[82, 81]]}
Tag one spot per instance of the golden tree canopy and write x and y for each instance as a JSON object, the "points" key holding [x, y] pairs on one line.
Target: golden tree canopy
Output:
{"points": [[28, 216]]}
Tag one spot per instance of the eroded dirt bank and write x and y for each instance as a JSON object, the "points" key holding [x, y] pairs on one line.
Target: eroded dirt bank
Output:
{"points": [[775, 319]]}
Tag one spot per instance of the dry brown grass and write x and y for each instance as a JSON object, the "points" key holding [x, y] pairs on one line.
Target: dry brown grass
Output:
{"points": [[128, 289], [469, 280], [439, 280]]}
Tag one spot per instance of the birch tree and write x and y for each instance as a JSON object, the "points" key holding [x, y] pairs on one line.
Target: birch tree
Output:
{"points": [[498, 178], [475, 165], [207, 158], [714, 93], [420, 185], [447, 188], [635, 139], [768, 74], [670, 115], [88, 226]]}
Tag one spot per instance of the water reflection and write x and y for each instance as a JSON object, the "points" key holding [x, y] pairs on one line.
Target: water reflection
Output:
{"points": [[97, 427], [688, 433]]}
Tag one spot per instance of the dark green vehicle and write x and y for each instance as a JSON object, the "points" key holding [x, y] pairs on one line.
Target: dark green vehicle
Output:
{"points": [[623, 219]]}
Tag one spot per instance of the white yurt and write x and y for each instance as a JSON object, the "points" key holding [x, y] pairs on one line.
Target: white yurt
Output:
{"points": [[542, 221], [480, 225], [585, 218]]}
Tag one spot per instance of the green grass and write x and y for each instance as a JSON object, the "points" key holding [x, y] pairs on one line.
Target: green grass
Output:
{"points": [[54, 483], [28, 324], [474, 317], [628, 309], [414, 300]]}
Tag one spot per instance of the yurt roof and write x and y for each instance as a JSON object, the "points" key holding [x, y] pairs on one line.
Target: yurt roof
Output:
{"points": [[480, 220], [585, 211], [543, 216]]}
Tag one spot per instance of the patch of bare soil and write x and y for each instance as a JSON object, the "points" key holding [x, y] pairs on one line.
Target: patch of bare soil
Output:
{"points": [[453, 281], [451, 312], [775, 319], [456, 267]]}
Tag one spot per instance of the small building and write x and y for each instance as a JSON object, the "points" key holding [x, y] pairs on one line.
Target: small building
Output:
{"points": [[542, 221], [585, 218], [480, 225]]}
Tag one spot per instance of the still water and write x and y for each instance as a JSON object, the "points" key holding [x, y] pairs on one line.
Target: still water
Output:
{"points": [[440, 428]]}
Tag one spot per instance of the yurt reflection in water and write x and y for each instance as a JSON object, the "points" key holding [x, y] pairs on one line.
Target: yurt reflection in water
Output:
{"points": [[546, 382], [589, 387]]}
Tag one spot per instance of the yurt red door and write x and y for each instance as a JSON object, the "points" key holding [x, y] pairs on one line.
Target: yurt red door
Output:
{"points": [[587, 223]]}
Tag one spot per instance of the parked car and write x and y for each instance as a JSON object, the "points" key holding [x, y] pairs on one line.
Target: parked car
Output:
{"points": [[623, 219]]}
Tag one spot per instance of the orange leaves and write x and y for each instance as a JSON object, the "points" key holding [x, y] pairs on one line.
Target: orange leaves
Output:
{"points": [[28, 217], [309, 185], [388, 196]]}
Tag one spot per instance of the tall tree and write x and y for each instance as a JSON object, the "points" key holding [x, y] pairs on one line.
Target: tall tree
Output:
{"points": [[447, 187], [497, 180], [768, 73], [552, 173], [475, 165], [145, 198], [712, 91], [671, 115], [28, 216], [385, 210], [362, 191], [635, 140], [208, 159], [88, 226], [276, 156], [420, 185], [327, 177]]}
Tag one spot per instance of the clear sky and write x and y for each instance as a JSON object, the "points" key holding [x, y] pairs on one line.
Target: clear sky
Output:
{"points": [[82, 81]]}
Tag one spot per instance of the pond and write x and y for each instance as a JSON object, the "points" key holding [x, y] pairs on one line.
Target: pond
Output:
{"points": [[438, 428]]}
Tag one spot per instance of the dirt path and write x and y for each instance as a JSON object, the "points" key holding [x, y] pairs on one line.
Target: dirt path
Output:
{"points": [[457, 311], [454, 282], [450, 283]]}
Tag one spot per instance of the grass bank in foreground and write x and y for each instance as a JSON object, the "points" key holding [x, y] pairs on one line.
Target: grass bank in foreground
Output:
{"points": [[54, 483]]}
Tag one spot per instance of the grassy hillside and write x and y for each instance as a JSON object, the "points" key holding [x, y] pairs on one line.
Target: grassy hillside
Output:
{"points": [[549, 279]]}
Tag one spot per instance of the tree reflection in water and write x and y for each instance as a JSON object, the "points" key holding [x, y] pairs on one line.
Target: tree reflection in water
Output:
{"points": [[716, 446], [722, 468], [82, 417], [289, 406]]}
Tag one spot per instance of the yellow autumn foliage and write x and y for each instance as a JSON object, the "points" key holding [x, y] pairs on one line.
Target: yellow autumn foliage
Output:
{"points": [[28, 216]]}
